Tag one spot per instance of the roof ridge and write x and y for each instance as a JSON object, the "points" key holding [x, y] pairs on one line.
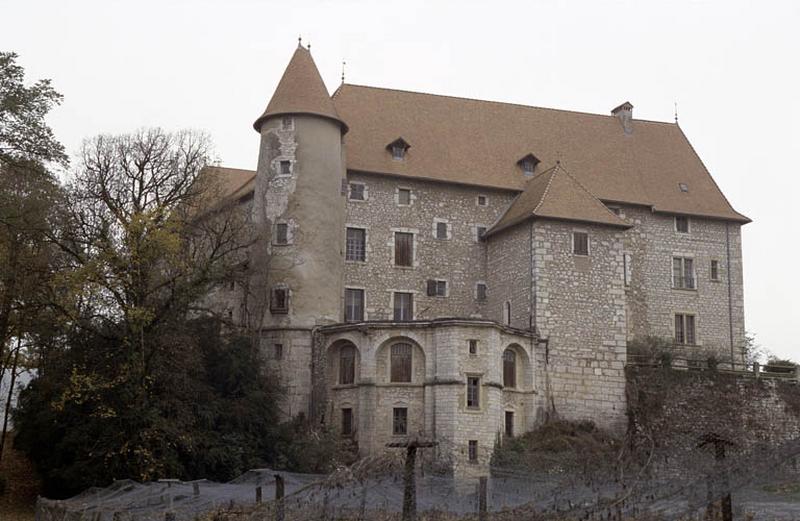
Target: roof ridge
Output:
{"points": [[554, 171], [508, 103], [589, 192]]}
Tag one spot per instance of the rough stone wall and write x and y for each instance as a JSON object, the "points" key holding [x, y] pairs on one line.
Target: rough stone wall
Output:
{"points": [[580, 310], [436, 397], [460, 259], [509, 274], [653, 302]]}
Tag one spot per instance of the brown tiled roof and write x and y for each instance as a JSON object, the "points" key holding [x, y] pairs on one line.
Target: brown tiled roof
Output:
{"points": [[479, 143], [301, 91], [229, 182], [555, 194]]}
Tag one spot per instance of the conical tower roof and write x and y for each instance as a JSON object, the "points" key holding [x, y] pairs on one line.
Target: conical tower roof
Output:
{"points": [[301, 91]]}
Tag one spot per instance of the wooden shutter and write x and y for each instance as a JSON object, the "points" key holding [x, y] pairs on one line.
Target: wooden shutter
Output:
{"points": [[403, 249], [347, 365], [509, 368], [401, 363], [431, 288]]}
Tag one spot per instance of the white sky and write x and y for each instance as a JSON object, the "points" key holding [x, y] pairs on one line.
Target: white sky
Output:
{"points": [[732, 66]]}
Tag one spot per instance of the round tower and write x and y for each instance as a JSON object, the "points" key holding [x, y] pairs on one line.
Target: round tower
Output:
{"points": [[299, 212]]}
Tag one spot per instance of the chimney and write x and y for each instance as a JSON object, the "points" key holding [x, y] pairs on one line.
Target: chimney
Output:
{"points": [[624, 114]]}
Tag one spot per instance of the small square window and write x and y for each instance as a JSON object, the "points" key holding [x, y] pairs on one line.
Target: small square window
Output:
{"points": [[357, 192], [437, 288], [473, 346], [480, 290], [480, 231], [287, 123], [278, 351], [403, 196], [400, 421], [473, 450], [286, 167], [681, 224], [441, 230], [482, 200], [398, 151], [684, 187], [715, 270], [580, 243], [281, 233]]}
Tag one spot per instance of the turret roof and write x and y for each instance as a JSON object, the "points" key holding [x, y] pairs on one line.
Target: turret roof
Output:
{"points": [[301, 91]]}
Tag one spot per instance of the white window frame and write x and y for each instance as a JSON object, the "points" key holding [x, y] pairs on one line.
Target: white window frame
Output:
{"points": [[365, 191], [437, 281], [697, 342], [279, 167], [415, 245], [411, 196], [448, 234], [688, 224], [683, 257], [289, 233], [588, 242], [475, 235], [363, 303], [366, 243]]}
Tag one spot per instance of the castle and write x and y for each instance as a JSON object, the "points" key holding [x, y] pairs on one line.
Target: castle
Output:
{"points": [[460, 270]]}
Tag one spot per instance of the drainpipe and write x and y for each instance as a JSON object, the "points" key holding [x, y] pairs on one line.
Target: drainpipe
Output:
{"points": [[730, 295], [532, 295]]}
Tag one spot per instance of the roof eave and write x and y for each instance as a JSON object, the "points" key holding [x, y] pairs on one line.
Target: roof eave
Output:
{"points": [[260, 121]]}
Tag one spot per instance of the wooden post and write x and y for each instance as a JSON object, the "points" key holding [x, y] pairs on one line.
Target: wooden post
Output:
{"points": [[279, 490], [483, 511], [258, 495], [410, 485]]}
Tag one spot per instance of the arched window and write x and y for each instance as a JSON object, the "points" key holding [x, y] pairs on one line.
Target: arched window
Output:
{"points": [[347, 364], [400, 363], [509, 368]]}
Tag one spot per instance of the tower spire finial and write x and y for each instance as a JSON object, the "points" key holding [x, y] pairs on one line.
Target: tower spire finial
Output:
{"points": [[343, 64], [309, 46], [676, 112], [299, 41]]}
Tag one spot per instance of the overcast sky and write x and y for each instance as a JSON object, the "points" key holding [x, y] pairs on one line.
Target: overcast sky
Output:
{"points": [[733, 67]]}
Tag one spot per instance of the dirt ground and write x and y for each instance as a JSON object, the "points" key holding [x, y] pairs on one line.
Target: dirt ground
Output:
{"points": [[21, 485]]}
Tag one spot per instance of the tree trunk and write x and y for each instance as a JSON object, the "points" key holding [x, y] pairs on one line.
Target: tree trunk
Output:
{"points": [[8, 399]]}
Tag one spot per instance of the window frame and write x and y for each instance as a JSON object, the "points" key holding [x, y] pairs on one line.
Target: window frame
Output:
{"points": [[681, 324], [277, 351], [688, 223], [575, 252], [509, 372], [509, 425], [507, 313], [478, 296], [395, 250], [277, 235], [448, 230], [437, 288], [347, 242], [395, 308], [401, 353], [363, 314], [347, 365], [485, 200], [287, 123], [713, 270], [285, 172], [363, 192], [473, 392], [347, 422], [681, 281], [399, 422], [273, 301], [403, 189], [472, 451], [472, 346]]}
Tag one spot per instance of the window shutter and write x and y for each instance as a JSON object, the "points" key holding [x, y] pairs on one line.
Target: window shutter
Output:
{"points": [[431, 288]]}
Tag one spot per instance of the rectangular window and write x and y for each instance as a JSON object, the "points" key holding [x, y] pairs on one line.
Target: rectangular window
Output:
{"points": [[400, 421], [580, 243], [357, 191], [278, 351], [347, 421], [509, 424], [480, 291], [353, 305], [347, 365], [356, 245], [473, 450], [437, 288], [404, 196], [683, 273], [287, 123], [714, 270], [473, 392], [403, 306], [400, 363], [681, 224], [480, 231], [685, 329], [441, 230], [403, 249], [286, 167], [281, 233], [473, 347], [279, 303], [482, 200]]}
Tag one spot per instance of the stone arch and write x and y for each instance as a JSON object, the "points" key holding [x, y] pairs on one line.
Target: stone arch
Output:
{"points": [[399, 345], [344, 363], [523, 375]]}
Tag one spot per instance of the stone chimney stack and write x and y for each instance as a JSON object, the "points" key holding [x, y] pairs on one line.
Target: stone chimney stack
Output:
{"points": [[624, 114]]}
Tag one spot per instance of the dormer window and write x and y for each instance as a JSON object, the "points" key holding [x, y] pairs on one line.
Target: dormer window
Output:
{"points": [[398, 148], [684, 187], [528, 164]]}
